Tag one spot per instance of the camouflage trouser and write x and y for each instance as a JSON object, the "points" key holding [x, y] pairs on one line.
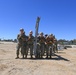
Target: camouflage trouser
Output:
{"points": [[30, 46], [18, 49], [24, 50], [55, 48], [49, 49], [42, 49]]}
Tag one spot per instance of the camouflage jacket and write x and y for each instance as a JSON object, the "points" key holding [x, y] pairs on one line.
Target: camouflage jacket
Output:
{"points": [[49, 41], [41, 40], [22, 39], [30, 40]]}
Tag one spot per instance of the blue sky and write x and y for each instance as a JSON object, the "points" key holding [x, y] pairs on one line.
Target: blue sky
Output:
{"points": [[57, 17]]}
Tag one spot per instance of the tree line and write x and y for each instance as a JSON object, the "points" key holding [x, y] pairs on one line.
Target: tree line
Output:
{"points": [[60, 41], [67, 42], [9, 40]]}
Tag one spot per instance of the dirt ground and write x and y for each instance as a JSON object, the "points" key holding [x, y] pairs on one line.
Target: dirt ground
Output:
{"points": [[62, 63]]}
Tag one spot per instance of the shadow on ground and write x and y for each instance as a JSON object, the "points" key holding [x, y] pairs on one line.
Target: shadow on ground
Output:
{"points": [[59, 58], [54, 57]]}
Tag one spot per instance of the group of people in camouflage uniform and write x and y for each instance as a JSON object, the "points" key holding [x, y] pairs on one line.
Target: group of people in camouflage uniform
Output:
{"points": [[46, 45]]}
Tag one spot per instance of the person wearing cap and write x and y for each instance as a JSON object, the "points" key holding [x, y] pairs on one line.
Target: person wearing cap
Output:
{"points": [[49, 45], [46, 35], [21, 43], [30, 43], [24, 50], [41, 41]]}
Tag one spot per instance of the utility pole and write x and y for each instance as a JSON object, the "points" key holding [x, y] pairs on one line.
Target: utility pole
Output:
{"points": [[36, 34]]}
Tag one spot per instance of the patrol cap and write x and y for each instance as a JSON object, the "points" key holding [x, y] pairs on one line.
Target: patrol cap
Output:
{"points": [[41, 33], [31, 32], [21, 29], [51, 34]]}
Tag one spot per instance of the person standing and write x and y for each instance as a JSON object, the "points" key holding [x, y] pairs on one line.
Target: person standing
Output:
{"points": [[19, 44], [41, 41], [31, 43]]}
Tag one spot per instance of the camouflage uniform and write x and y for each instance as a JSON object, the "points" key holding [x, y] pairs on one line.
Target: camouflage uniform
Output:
{"points": [[30, 44], [41, 41], [24, 51], [19, 44], [45, 42], [49, 46]]}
